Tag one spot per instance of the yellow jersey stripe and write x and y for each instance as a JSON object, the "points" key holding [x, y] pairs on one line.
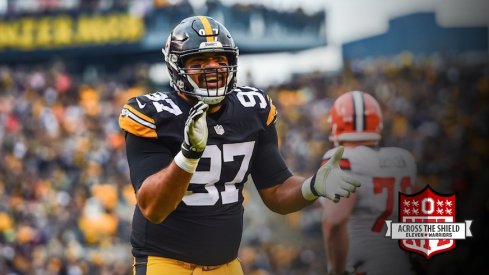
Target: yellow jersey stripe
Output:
{"points": [[207, 28], [139, 114], [136, 123], [133, 127], [272, 113]]}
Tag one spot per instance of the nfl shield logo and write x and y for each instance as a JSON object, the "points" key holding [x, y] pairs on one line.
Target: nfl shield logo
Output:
{"points": [[427, 206], [219, 129]]}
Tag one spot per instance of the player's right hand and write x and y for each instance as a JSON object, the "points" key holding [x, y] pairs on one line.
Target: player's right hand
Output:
{"points": [[330, 181], [195, 132], [194, 138]]}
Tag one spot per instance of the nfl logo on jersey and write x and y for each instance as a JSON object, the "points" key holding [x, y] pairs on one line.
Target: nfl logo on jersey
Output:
{"points": [[427, 223], [219, 129]]}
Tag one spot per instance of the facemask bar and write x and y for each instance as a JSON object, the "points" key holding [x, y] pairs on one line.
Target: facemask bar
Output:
{"points": [[208, 92], [182, 82], [222, 73]]}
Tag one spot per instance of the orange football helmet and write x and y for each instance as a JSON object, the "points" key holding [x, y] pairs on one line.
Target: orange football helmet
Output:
{"points": [[355, 116]]}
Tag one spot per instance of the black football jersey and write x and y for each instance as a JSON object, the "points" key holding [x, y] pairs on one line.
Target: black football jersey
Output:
{"points": [[207, 225]]}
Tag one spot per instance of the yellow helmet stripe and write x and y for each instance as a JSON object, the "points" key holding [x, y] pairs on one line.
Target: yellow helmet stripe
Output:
{"points": [[207, 28]]}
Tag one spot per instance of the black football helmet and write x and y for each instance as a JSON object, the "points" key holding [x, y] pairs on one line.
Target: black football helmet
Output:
{"points": [[193, 36]]}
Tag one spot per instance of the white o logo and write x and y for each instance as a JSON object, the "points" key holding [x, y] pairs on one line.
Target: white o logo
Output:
{"points": [[431, 203]]}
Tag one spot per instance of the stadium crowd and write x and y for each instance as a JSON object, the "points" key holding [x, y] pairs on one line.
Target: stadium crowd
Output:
{"points": [[66, 199]]}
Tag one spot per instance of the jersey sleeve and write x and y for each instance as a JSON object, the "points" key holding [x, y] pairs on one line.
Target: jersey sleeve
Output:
{"points": [[137, 118], [151, 116], [269, 168], [153, 125], [271, 113], [146, 156], [257, 100]]}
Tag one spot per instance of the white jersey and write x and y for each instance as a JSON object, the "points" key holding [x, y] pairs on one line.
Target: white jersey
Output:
{"points": [[383, 173]]}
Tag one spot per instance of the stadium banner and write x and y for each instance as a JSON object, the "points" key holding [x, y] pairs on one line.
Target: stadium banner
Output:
{"points": [[82, 34], [60, 31]]}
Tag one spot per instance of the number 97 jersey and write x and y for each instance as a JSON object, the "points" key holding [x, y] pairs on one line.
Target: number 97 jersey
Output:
{"points": [[206, 227]]}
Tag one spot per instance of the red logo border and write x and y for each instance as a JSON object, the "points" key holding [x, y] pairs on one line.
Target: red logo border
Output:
{"points": [[401, 245]]}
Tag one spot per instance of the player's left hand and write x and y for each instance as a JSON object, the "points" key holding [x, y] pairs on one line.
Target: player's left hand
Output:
{"points": [[330, 181]]}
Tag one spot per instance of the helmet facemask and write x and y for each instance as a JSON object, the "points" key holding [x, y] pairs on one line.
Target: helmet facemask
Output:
{"points": [[212, 84], [187, 41]]}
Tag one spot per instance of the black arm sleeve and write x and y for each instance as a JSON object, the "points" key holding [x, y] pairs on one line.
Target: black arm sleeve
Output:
{"points": [[269, 168], [145, 157]]}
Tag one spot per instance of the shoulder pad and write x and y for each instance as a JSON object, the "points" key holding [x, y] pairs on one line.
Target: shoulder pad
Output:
{"points": [[141, 115], [404, 156], [251, 97]]}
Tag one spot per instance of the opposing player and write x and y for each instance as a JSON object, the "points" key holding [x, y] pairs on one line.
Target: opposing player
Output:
{"points": [[191, 150], [354, 228]]}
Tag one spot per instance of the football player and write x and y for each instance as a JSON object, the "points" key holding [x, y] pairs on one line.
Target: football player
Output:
{"points": [[191, 150], [353, 229]]}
